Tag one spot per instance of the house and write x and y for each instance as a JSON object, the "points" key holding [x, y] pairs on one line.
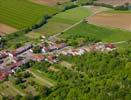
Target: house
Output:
{"points": [[22, 49], [60, 46], [44, 49], [3, 75], [111, 46], [38, 57], [3, 54], [51, 59]]}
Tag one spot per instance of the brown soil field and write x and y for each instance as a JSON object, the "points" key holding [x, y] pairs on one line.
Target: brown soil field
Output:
{"points": [[119, 20], [49, 2], [5, 29], [114, 2]]}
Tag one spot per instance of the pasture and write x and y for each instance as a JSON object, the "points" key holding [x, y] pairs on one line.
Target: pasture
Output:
{"points": [[114, 20], [85, 30], [114, 2], [64, 20], [22, 13]]}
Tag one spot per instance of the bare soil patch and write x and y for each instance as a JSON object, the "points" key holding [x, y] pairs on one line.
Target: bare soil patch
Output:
{"points": [[49, 2], [119, 20], [5, 29], [97, 9], [114, 2]]}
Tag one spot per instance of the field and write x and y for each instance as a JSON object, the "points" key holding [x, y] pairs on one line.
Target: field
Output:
{"points": [[64, 20], [114, 2], [23, 13], [112, 19], [85, 30], [8, 89], [49, 2], [5, 29]]}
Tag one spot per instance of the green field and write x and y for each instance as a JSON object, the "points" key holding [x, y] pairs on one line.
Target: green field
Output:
{"points": [[85, 30], [64, 20], [22, 13]]}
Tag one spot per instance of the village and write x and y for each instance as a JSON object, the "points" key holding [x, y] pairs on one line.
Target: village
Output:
{"points": [[10, 61]]}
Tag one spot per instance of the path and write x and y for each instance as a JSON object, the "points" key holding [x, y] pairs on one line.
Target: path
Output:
{"points": [[120, 42], [56, 35]]}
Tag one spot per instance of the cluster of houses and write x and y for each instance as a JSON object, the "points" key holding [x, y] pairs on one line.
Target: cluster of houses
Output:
{"points": [[10, 61], [95, 47], [52, 46]]}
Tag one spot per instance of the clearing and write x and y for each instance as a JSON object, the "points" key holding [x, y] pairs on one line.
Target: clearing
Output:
{"points": [[112, 20], [114, 2], [6, 29]]}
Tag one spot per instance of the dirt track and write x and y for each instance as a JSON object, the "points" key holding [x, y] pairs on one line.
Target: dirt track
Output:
{"points": [[119, 20], [114, 2], [5, 29]]}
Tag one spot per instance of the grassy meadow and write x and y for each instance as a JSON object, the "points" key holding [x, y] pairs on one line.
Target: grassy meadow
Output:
{"points": [[97, 32], [64, 20], [22, 13]]}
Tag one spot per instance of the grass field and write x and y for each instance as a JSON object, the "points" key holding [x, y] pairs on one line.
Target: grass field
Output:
{"points": [[41, 78], [22, 13], [63, 20], [8, 89], [100, 33]]}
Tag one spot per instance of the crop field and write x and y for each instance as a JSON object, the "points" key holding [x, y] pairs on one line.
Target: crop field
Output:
{"points": [[22, 13], [64, 20], [5, 29], [114, 2], [100, 33], [114, 19], [49, 2]]}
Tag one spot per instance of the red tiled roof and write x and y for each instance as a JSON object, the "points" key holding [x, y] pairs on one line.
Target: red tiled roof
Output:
{"points": [[3, 75], [38, 57], [109, 46]]}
